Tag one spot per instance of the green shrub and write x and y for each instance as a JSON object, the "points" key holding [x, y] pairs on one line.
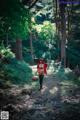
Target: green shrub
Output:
{"points": [[12, 70], [27, 57], [17, 72], [6, 54], [67, 75]]}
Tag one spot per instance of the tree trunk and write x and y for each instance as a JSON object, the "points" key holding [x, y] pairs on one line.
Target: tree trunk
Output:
{"points": [[57, 25], [19, 49], [31, 46], [56, 2], [63, 31]]}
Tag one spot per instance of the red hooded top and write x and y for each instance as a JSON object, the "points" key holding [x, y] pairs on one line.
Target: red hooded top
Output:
{"points": [[42, 67]]}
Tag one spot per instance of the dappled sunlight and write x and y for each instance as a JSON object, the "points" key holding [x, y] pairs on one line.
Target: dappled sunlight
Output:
{"points": [[46, 76], [34, 69], [50, 71], [27, 86], [35, 84], [30, 103], [44, 89], [71, 99], [53, 90]]}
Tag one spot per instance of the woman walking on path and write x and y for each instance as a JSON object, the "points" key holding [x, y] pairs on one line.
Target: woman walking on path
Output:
{"points": [[42, 70]]}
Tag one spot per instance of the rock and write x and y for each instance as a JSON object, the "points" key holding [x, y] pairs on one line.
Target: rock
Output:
{"points": [[26, 91], [11, 108]]}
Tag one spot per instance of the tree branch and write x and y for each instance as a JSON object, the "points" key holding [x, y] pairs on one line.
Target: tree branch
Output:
{"points": [[29, 3]]}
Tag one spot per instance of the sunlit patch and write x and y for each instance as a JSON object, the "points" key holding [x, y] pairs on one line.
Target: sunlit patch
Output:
{"points": [[46, 76], [27, 86], [53, 90], [30, 106], [70, 99], [44, 89]]}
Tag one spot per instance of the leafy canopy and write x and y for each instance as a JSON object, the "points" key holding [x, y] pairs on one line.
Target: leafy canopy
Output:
{"points": [[14, 19]]}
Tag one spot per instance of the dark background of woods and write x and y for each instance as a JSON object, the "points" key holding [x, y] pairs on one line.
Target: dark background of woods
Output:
{"points": [[19, 39]]}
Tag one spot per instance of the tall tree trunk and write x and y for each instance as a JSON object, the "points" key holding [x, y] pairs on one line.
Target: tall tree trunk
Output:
{"points": [[19, 49], [63, 31], [56, 16], [57, 25], [31, 46], [68, 25]]}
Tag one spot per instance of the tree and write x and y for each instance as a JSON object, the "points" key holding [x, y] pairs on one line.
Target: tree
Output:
{"points": [[29, 3], [13, 20], [63, 32]]}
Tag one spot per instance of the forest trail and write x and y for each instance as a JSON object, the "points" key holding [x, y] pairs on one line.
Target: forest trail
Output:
{"points": [[48, 98], [43, 105], [50, 95], [48, 103], [27, 103]]}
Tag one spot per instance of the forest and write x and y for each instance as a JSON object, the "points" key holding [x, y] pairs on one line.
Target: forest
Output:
{"points": [[31, 30]]}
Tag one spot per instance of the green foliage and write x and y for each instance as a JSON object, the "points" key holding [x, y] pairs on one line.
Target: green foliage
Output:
{"points": [[17, 72], [67, 76], [46, 42], [46, 31], [14, 19], [6, 53], [73, 47], [26, 55], [12, 70], [73, 53]]}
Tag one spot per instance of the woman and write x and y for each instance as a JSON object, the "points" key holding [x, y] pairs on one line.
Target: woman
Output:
{"points": [[42, 70]]}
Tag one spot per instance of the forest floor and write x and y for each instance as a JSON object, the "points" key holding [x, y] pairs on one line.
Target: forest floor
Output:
{"points": [[56, 101]]}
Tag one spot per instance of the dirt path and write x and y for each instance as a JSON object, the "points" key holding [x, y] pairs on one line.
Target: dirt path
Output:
{"points": [[50, 95], [47, 104], [43, 104]]}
